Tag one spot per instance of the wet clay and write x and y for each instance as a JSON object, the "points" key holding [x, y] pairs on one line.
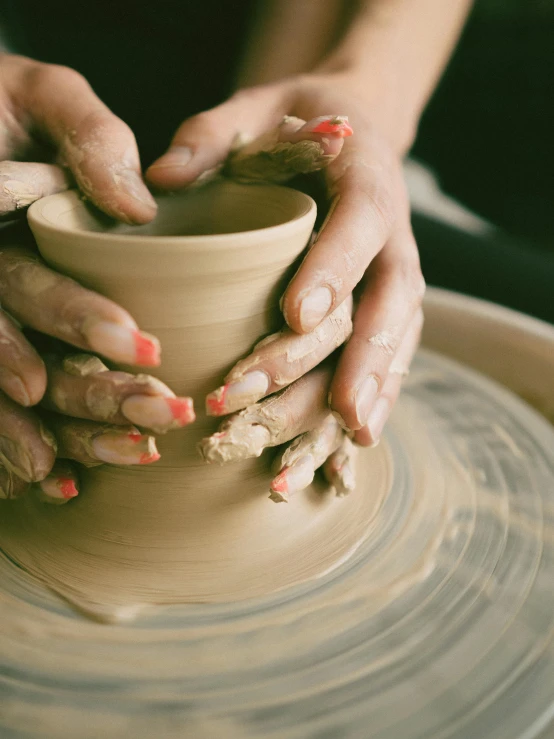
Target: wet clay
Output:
{"points": [[440, 624], [182, 531]]}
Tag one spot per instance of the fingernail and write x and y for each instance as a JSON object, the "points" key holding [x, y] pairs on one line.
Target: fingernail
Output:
{"points": [[236, 395], [177, 156], [378, 418], [292, 479], [337, 125], [123, 344], [13, 386], [365, 398], [158, 413], [131, 182], [124, 447], [314, 307], [58, 487]]}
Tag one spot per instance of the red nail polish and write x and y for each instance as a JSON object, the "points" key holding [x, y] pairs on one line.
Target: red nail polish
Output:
{"points": [[135, 436], [148, 458], [337, 126], [280, 483], [67, 487], [182, 410], [215, 402], [279, 488], [147, 350]]}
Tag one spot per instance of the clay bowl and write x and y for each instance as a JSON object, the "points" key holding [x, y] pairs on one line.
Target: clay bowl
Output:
{"points": [[205, 277]]}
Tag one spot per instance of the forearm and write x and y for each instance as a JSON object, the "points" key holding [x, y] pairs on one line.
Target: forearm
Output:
{"points": [[393, 54]]}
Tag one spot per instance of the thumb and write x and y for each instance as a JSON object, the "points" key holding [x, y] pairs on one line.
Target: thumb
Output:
{"points": [[204, 141]]}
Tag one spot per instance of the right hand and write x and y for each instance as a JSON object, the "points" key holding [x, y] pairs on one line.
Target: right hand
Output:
{"points": [[52, 120]]}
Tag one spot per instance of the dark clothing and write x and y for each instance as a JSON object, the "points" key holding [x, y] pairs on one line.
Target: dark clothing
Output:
{"points": [[494, 267], [489, 129]]}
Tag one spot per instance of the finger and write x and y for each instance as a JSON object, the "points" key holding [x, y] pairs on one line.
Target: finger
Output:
{"points": [[98, 148], [340, 469], [291, 148], [392, 293], [61, 485], [22, 373], [27, 448], [21, 183], [278, 361], [81, 386], [299, 462], [367, 192], [204, 141], [11, 486], [275, 420], [370, 433], [70, 312], [93, 443]]}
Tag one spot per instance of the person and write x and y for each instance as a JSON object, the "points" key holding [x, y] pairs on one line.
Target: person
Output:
{"points": [[378, 67]]}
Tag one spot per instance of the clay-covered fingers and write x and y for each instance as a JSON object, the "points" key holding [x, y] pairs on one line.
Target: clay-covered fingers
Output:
{"points": [[391, 297], [283, 416], [368, 196], [61, 485], [22, 372], [279, 360], [293, 147], [11, 486], [21, 183], [370, 433], [93, 443], [253, 137], [81, 386], [27, 448], [339, 468], [306, 454], [57, 105], [40, 298]]}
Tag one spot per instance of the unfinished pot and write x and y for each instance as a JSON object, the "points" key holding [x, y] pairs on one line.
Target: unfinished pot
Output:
{"points": [[205, 277]]}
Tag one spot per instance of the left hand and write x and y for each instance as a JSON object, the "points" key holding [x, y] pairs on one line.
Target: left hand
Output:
{"points": [[366, 242]]}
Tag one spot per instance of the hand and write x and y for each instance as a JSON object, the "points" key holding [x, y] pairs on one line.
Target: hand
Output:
{"points": [[50, 114], [110, 405], [366, 244]]}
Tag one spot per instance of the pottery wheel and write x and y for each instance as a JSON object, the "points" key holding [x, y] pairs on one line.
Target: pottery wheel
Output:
{"points": [[439, 625]]}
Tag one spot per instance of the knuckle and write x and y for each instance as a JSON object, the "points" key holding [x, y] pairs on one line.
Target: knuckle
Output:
{"points": [[205, 125], [245, 94], [382, 205], [405, 278], [420, 286], [415, 284], [54, 76]]}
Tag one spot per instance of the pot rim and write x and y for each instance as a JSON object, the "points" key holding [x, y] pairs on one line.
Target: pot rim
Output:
{"points": [[41, 225]]}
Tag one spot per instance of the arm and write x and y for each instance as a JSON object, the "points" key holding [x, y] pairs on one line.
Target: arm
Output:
{"points": [[393, 54]]}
